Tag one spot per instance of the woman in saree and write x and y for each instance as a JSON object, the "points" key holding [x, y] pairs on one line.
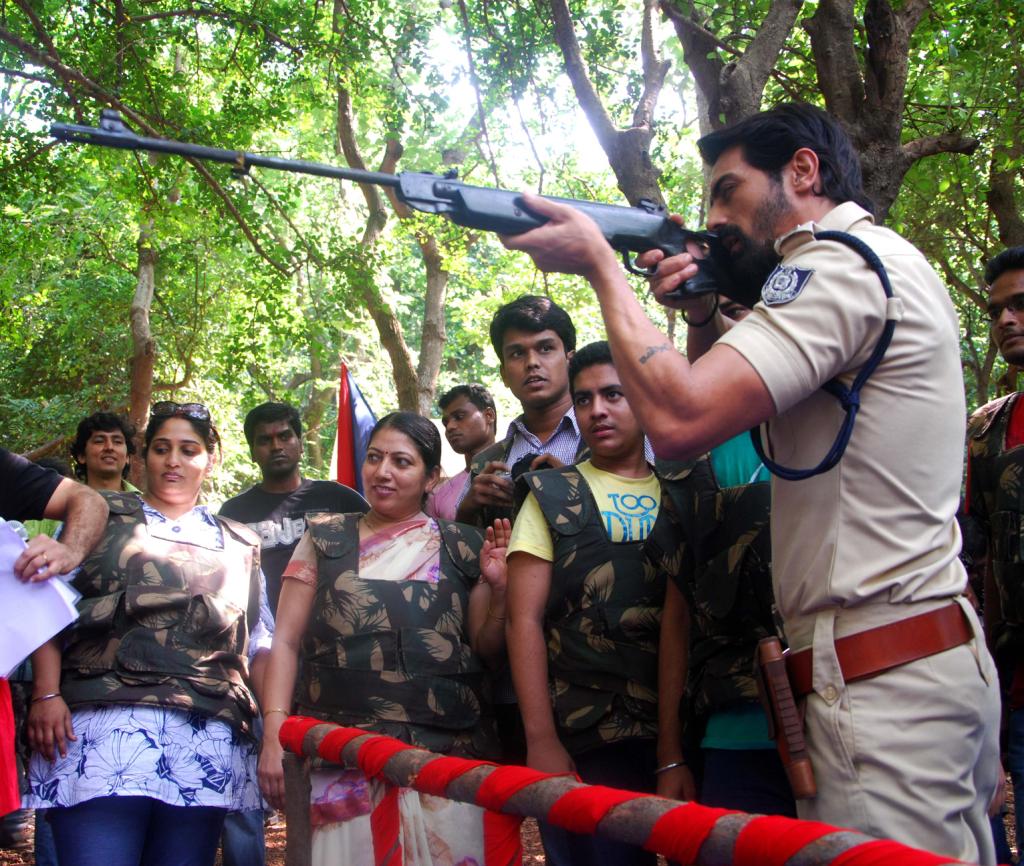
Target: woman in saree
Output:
{"points": [[142, 713], [391, 614]]}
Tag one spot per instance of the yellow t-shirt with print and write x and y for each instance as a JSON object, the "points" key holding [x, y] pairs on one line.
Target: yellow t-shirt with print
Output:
{"points": [[628, 506]]}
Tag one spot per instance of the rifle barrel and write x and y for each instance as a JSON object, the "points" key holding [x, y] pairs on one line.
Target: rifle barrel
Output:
{"points": [[239, 159]]}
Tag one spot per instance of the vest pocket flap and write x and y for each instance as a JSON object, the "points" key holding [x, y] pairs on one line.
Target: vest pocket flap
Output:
{"points": [[598, 662], [145, 651], [362, 697], [210, 616], [424, 650], [577, 709], [98, 612], [155, 606]]}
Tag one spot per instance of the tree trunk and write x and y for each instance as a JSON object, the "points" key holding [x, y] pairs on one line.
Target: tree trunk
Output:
{"points": [[143, 344]]}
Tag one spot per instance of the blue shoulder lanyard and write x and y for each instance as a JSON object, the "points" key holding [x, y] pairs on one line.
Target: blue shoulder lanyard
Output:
{"points": [[849, 398]]}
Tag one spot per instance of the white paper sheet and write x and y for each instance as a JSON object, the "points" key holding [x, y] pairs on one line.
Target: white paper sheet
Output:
{"points": [[30, 613]]}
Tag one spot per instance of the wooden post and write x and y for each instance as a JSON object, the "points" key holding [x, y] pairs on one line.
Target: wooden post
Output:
{"points": [[299, 831]]}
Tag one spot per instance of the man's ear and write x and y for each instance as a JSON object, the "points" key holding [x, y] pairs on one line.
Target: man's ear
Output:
{"points": [[804, 172], [501, 372]]}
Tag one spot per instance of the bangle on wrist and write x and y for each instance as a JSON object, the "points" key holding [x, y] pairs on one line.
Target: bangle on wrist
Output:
{"points": [[276, 710], [48, 697], [669, 766], [702, 322]]}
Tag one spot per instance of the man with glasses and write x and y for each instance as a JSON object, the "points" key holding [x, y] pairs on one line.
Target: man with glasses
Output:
{"points": [[995, 463]]}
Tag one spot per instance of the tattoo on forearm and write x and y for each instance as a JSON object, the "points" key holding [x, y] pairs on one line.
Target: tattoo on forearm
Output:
{"points": [[652, 351]]}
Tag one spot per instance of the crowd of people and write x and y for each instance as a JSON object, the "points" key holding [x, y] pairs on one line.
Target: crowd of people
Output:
{"points": [[588, 595]]}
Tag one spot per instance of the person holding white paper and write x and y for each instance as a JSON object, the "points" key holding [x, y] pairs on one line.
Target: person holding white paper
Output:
{"points": [[29, 492]]}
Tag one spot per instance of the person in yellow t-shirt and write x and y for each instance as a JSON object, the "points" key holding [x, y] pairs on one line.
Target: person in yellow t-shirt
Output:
{"points": [[592, 548]]}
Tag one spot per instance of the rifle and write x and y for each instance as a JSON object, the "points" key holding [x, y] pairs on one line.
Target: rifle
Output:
{"points": [[627, 229]]}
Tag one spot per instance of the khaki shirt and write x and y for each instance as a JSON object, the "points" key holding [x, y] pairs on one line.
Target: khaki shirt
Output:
{"points": [[878, 531]]}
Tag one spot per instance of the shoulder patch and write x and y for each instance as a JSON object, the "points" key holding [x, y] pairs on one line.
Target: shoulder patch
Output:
{"points": [[784, 284]]}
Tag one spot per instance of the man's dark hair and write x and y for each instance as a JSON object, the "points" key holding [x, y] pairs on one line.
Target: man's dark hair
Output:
{"points": [[102, 422], [1011, 259], [769, 140], [589, 356], [267, 413], [476, 393], [533, 314]]}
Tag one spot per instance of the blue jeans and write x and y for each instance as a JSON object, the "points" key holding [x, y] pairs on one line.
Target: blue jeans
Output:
{"points": [[135, 831], [629, 765], [750, 780], [242, 840], [46, 849]]}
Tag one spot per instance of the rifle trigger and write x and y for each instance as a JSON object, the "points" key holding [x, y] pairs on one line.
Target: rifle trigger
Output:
{"points": [[633, 269]]}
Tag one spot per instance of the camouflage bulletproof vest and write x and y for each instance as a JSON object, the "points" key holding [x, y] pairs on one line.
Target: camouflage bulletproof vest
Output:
{"points": [[164, 623], [997, 479], [727, 587], [603, 613], [394, 657]]}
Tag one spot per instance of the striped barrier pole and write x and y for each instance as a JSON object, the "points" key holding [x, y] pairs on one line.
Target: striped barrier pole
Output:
{"points": [[684, 832]]}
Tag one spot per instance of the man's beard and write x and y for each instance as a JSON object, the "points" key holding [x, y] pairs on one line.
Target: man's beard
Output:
{"points": [[745, 269]]}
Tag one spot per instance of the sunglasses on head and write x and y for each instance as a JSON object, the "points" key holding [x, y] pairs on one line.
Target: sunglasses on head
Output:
{"points": [[170, 409]]}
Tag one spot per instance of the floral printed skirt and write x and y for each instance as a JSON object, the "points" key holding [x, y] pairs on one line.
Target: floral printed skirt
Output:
{"points": [[174, 756], [433, 831]]}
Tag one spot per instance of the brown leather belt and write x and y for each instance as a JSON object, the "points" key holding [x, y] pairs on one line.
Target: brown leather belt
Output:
{"points": [[869, 653]]}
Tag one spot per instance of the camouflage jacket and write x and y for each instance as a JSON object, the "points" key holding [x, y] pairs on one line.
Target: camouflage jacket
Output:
{"points": [[603, 613], [996, 498], [394, 657], [727, 584], [146, 634]]}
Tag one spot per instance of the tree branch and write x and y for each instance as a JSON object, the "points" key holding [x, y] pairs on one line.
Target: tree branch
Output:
{"points": [[946, 142], [590, 102], [744, 80], [655, 70]]}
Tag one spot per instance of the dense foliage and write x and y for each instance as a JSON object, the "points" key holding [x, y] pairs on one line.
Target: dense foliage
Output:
{"points": [[263, 284]]}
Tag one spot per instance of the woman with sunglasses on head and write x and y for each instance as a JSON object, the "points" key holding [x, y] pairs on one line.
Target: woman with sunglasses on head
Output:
{"points": [[390, 613], [141, 717]]}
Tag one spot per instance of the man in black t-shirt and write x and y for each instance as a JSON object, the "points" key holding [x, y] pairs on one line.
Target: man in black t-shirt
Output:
{"points": [[29, 492], [276, 508]]}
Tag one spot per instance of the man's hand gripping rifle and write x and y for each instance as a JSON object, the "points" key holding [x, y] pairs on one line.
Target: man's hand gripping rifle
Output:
{"points": [[628, 230]]}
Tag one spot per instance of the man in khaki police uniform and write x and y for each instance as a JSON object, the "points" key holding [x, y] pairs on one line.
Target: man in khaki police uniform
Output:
{"points": [[902, 719]]}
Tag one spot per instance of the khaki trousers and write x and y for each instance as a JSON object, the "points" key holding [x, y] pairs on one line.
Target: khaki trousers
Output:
{"points": [[910, 755]]}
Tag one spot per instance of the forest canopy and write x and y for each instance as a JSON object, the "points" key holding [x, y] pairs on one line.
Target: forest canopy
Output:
{"points": [[127, 278]]}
